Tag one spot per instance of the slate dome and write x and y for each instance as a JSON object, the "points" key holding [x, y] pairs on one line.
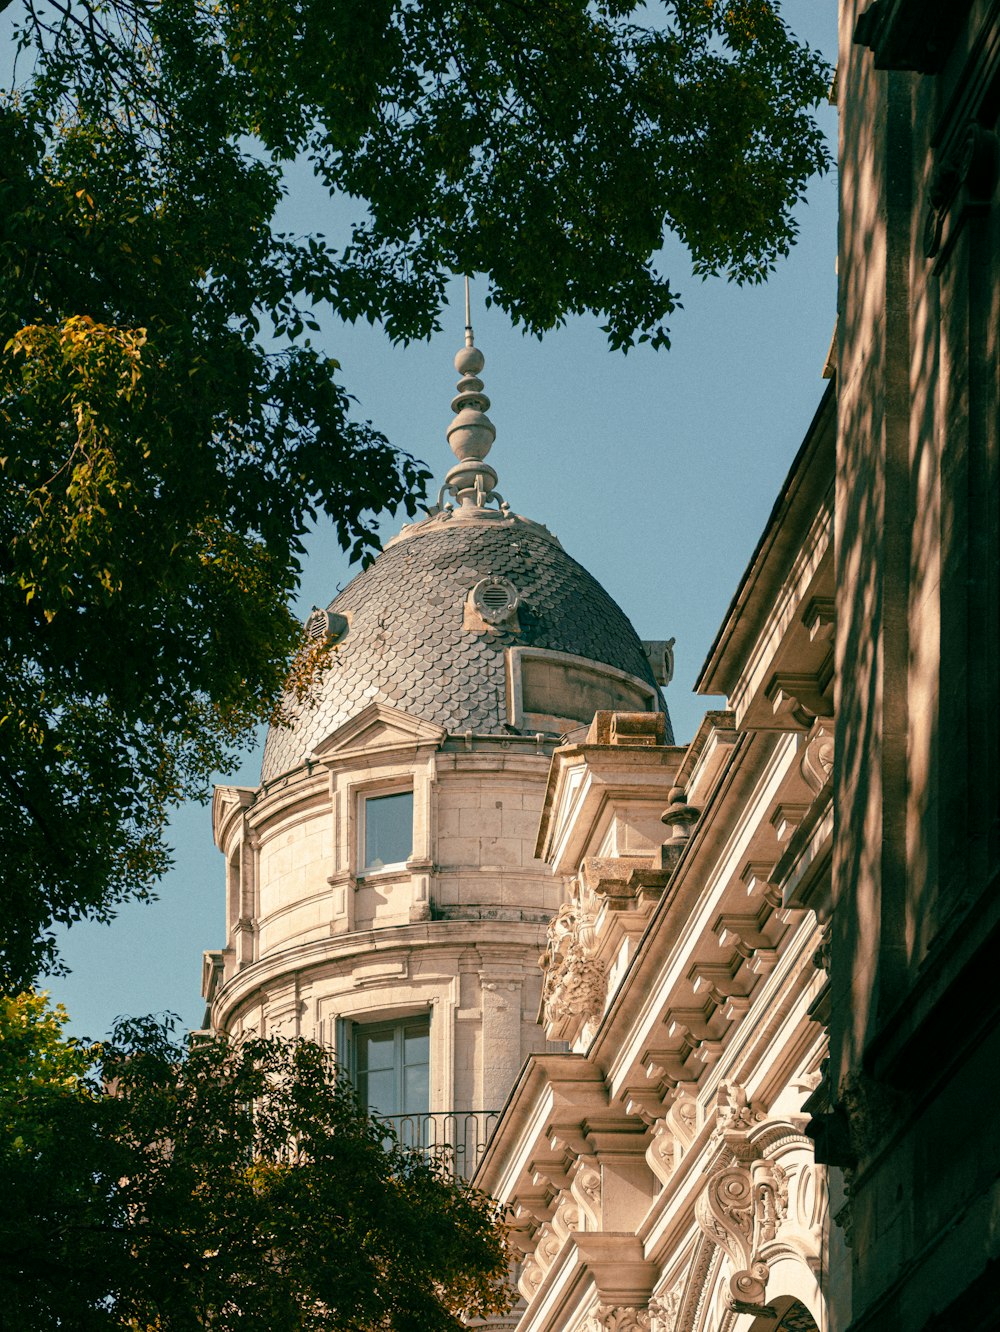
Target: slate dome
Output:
{"points": [[409, 644]]}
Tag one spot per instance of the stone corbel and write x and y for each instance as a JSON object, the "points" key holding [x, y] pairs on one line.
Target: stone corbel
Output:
{"points": [[529, 1279], [743, 933], [549, 1171], [535, 1205], [798, 699], [548, 1246], [819, 618], [756, 878], [718, 984], [702, 1035], [586, 1189], [744, 1202], [816, 764], [566, 1217], [667, 1068], [662, 1154], [672, 1136]]}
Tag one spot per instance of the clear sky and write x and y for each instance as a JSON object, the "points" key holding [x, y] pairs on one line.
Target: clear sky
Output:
{"points": [[657, 471]]}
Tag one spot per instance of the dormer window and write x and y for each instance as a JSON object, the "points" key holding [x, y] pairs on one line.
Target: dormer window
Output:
{"points": [[386, 840]]}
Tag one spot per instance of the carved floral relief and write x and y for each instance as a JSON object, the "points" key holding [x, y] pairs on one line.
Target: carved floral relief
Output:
{"points": [[575, 981]]}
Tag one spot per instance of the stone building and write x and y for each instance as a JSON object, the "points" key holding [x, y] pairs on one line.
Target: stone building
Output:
{"points": [[658, 1173], [907, 1105], [383, 892], [752, 1085]]}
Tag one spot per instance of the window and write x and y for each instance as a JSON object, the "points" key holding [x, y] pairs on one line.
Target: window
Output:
{"points": [[392, 1066], [386, 830]]}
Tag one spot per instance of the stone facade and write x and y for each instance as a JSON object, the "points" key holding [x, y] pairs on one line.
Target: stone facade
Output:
{"points": [[385, 895], [763, 1031], [454, 932], [781, 1023], [914, 1025], [658, 1174]]}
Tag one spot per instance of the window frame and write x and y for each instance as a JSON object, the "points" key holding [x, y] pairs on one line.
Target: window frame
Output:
{"points": [[397, 1026], [366, 870]]}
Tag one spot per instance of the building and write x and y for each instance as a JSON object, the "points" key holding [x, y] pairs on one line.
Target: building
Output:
{"points": [[914, 1030], [383, 893], [759, 1091], [658, 1173]]}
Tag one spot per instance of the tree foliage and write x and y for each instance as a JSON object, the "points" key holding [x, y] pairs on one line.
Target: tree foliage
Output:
{"points": [[167, 429], [153, 1186]]}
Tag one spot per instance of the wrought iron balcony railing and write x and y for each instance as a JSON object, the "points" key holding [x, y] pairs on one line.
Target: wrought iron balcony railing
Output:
{"points": [[458, 1137]]}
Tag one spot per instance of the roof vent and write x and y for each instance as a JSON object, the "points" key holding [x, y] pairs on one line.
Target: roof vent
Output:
{"points": [[322, 627], [496, 599]]}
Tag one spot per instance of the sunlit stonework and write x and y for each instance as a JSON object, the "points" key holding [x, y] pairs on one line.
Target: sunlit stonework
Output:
{"points": [[742, 1092]]}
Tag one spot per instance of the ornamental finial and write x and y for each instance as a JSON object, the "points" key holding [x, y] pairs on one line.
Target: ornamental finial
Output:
{"points": [[472, 481]]}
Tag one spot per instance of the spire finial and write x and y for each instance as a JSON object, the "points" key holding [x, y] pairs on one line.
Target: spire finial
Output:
{"points": [[468, 317], [472, 482]]}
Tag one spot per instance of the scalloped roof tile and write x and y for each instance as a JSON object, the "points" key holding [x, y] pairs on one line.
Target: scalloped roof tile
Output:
{"points": [[407, 644]]}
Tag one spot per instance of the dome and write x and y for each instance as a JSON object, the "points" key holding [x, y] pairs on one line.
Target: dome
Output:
{"points": [[416, 642]]}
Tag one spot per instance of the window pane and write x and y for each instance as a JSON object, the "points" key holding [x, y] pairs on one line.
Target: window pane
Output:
{"points": [[417, 1045], [379, 1092], [388, 829], [416, 1060], [375, 1050], [416, 1090], [393, 1067]]}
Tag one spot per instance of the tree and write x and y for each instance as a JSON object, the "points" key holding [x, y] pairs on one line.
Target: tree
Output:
{"points": [[153, 1186], [168, 429]]}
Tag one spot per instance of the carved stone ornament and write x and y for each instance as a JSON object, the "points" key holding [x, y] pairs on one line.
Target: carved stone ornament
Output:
{"points": [[575, 983], [683, 1118], [618, 1318], [548, 1246], [873, 1108], [672, 1136], [664, 1310], [662, 1153], [530, 1279], [566, 1217], [743, 1203], [735, 1114], [816, 764], [586, 1189]]}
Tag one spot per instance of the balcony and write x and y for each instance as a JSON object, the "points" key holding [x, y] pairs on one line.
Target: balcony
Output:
{"points": [[458, 1137]]}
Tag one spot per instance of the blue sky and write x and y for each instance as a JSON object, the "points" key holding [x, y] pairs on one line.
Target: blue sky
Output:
{"points": [[656, 471]]}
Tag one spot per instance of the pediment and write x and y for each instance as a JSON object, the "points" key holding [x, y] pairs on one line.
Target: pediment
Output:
{"points": [[377, 728], [225, 801], [568, 802]]}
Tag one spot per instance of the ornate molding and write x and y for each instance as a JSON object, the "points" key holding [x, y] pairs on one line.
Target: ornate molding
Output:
{"points": [[574, 985], [745, 1201], [816, 764], [618, 1318], [665, 1309]]}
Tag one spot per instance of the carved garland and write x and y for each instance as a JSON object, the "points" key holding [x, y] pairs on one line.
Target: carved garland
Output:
{"points": [[575, 984]]}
